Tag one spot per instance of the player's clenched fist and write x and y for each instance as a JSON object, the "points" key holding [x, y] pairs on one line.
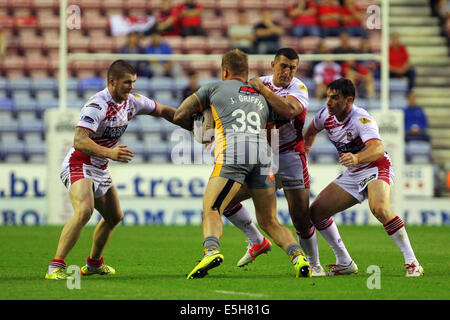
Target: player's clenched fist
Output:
{"points": [[348, 159], [121, 153]]}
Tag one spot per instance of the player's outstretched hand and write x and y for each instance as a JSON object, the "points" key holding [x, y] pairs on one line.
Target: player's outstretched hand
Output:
{"points": [[121, 154], [348, 159]]}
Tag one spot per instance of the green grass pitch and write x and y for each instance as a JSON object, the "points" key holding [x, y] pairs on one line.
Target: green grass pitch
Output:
{"points": [[152, 263]]}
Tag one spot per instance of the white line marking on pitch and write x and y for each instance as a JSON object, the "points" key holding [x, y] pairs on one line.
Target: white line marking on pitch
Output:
{"points": [[241, 293]]}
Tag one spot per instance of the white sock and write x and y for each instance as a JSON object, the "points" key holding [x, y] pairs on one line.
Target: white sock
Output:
{"points": [[330, 233], [240, 217], [308, 242], [396, 230]]}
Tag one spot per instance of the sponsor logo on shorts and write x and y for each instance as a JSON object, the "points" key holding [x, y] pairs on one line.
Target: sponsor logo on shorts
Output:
{"points": [[366, 180]]}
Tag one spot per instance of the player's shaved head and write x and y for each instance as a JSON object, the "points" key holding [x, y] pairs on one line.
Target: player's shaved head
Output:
{"points": [[289, 53], [118, 68], [236, 61]]}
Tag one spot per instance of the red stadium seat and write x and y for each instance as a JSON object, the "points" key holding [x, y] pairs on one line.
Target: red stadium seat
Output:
{"points": [[45, 3], [136, 4], [219, 45], [291, 42], [194, 44], [101, 44], [50, 22], [309, 44], [15, 4], [90, 4], [250, 4], [176, 42], [227, 4]]}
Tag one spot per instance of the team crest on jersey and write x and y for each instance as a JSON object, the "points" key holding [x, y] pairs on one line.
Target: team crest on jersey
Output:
{"points": [[303, 87], [364, 120], [248, 90], [136, 95]]}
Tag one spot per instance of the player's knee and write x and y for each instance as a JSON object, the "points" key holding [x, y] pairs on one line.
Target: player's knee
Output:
{"points": [[267, 223], [113, 221], [381, 212], [83, 214]]}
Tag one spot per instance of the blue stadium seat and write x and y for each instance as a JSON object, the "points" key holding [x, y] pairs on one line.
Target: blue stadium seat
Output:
{"points": [[180, 83], [6, 104], [92, 83], [44, 84], [20, 84], [142, 86], [160, 84], [418, 152], [315, 104]]}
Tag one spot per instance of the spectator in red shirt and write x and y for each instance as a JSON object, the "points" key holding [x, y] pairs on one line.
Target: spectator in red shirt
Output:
{"points": [[324, 73], [329, 18], [167, 19], [190, 15], [352, 19], [304, 19], [399, 65], [361, 77]]}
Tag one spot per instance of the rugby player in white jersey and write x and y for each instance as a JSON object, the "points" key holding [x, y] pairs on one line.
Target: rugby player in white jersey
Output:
{"points": [[103, 119], [369, 174], [288, 97]]}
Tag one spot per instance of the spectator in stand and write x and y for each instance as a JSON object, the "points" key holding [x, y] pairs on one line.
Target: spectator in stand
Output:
{"points": [[304, 19], [192, 87], [242, 34], [373, 66], [329, 18], [324, 73], [352, 18], [344, 46], [2, 42], [133, 46], [167, 19], [267, 34], [399, 65], [361, 77], [190, 15], [158, 67], [416, 122]]}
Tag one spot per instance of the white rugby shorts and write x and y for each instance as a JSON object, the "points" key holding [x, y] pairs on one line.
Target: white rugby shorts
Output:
{"points": [[70, 173], [291, 171], [356, 183]]}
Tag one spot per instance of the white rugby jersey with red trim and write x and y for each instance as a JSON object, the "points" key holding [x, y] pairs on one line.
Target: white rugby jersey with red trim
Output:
{"points": [[351, 134], [290, 131], [108, 121]]}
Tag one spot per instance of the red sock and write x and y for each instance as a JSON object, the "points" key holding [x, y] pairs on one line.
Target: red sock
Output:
{"points": [[57, 263], [94, 263]]}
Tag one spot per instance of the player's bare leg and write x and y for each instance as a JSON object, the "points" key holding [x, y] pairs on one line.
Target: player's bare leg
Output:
{"points": [[82, 199], [265, 204], [380, 204], [218, 194], [239, 216], [331, 200], [109, 207], [298, 203]]}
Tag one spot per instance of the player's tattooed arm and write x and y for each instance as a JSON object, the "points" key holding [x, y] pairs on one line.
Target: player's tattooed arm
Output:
{"points": [[83, 143], [287, 107], [166, 112], [183, 116]]}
